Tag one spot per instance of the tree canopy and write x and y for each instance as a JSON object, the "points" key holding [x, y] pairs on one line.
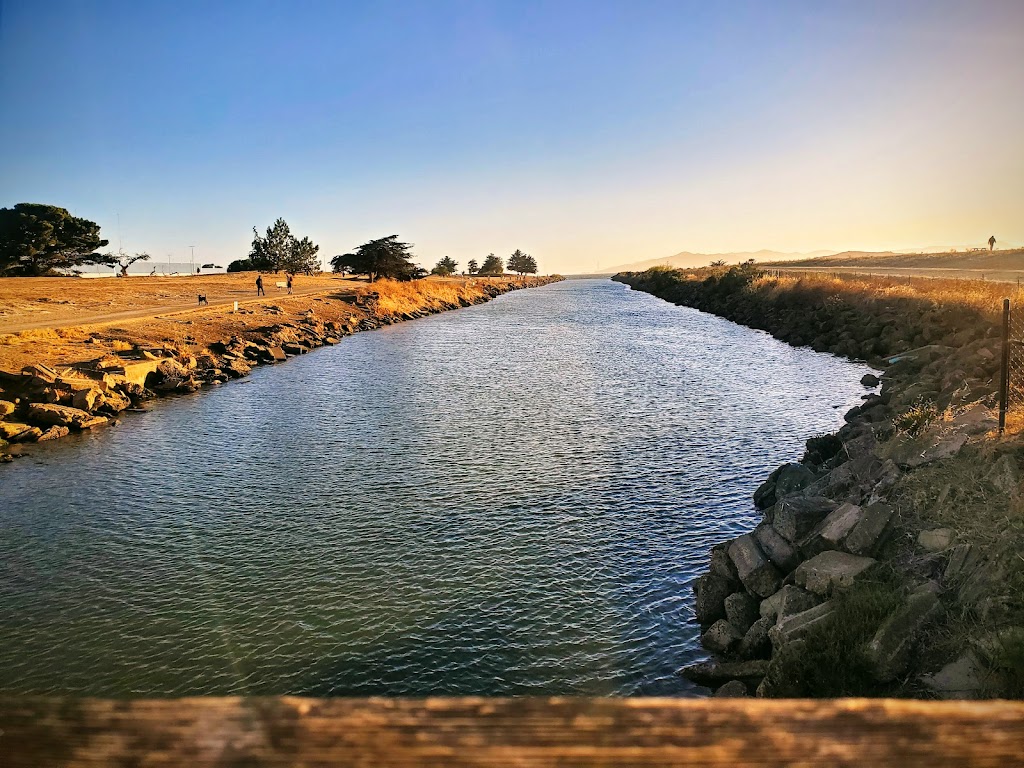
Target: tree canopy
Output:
{"points": [[493, 265], [280, 250], [36, 239], [384, 257], [472, 267], [523, 263], [446, 266]]}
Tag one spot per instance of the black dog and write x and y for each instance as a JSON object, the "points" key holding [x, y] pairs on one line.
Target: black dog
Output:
{"points": [[202, 300]]}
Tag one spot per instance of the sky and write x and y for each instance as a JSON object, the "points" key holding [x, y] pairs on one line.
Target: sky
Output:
{"points": [[585, 133]]}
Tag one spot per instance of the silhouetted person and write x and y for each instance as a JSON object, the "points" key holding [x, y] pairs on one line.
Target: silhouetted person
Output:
{"points": [[992, 242], [259, 286], [289, 281]]}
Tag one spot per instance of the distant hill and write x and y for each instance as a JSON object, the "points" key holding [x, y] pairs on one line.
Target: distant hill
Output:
{"points": [[689, 259]]}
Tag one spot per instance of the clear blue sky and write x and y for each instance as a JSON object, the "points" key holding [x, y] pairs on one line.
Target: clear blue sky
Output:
{"points": [[582, 132]]}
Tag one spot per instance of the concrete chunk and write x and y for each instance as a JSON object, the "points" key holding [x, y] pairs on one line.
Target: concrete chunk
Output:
{"points": [[889, 650], [799, 624], [741, 611], [780, 552], [756, 573], [869, 534], [755, 643], [716, 672], [712, 589], [831, 570], [721, 637], [797, 516], [832, 531]]}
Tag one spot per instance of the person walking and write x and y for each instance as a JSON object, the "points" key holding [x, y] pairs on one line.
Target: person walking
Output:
{"points": [[289, 281], [259, 286]]}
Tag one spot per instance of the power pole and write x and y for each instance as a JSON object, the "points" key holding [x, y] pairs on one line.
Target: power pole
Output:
{"points": [[193, 259]]}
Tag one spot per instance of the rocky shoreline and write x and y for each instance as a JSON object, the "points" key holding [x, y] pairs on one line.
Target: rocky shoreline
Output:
{"points": [[884, 561], [46, 402]]}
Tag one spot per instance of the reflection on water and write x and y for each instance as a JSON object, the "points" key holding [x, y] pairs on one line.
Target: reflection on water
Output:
{"points": [[513, 498]]}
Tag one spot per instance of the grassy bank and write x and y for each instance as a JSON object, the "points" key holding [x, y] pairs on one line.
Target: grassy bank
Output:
{"points": [[937, 607]]}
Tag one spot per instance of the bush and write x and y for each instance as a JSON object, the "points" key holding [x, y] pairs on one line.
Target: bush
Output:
{"points": [[241, 265]]}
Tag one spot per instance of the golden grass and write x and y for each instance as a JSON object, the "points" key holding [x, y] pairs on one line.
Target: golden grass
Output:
{"points": [[979, 295], [399, 298]]}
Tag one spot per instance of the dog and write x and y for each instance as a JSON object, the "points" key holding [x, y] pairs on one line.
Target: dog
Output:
{"points": [[202, 300]]}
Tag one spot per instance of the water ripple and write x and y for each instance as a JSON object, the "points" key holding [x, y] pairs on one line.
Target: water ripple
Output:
{"points": [[513, 498]]}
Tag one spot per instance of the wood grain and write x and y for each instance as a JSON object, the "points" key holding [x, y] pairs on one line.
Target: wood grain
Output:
{"points": [[523, 732]]}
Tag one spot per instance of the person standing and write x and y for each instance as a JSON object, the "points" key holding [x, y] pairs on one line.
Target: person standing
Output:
{"points": [[259, 286], [289, 281]]}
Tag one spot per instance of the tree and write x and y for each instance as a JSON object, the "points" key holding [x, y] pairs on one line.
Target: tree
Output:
{"points": [[385, 257], [446, 266], [123, 260], [718, 263], [240, 265], [992, 242], [493, 265], [269, 253], [530, 265], [36, 239], [517, 262], [301, 257], [473, 267]]}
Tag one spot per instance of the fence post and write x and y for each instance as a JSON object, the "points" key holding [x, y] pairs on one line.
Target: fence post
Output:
{"points": [[1004, 383]]}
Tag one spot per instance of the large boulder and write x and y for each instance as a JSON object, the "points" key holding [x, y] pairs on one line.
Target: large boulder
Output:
{"points": [[87, 399], [64, 416], [734, 689], [6, 408], [787, 479], [964, 678], [831, 570], [888, 653], [756, 573], [797, 516], [935, 539], [794, 600]]}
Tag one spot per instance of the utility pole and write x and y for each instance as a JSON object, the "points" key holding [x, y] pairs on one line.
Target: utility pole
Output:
{"points": [[193, 259]]}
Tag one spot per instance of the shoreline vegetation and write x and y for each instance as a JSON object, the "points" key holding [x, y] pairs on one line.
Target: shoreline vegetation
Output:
{"points": [[75, 375], [890, 558]]}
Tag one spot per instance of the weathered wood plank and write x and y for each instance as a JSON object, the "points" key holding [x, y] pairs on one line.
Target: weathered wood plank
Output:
{"points": [[526, 732]]}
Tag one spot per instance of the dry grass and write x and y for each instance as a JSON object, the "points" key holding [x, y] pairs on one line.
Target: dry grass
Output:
{"points": [[978, 295]]}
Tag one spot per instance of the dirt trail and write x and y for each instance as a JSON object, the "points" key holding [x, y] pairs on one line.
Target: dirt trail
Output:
{"points": [[109, 318]]}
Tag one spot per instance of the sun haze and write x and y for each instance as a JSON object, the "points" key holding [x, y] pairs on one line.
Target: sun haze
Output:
{"points": [[585, 133]]}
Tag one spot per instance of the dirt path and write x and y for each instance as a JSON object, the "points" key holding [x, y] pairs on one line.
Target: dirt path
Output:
{"points": [[109, 318]]}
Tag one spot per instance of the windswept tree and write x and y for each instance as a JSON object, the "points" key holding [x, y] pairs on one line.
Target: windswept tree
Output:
{"points": [[280, 250], [302, 257], [493, 265], [36, 239], [522, 263], [992, 242], [269, 252], [446, 266], [472, 267], [123, 260], [384, 257]]}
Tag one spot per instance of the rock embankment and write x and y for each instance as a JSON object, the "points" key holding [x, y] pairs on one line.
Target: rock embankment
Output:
{"points": [[887, 561], [45, 402]]}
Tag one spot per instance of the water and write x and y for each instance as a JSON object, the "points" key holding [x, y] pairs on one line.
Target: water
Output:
{"points": [[514, 498]]}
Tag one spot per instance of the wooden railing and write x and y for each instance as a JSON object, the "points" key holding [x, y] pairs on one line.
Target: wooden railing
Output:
{"points": [[524, 732]]}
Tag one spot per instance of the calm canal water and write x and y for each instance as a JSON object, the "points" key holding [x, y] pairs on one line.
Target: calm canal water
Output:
{"points": [[514, 498]]}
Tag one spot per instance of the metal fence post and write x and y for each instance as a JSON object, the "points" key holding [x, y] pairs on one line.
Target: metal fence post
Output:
{"points": [[1004, 383]]}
